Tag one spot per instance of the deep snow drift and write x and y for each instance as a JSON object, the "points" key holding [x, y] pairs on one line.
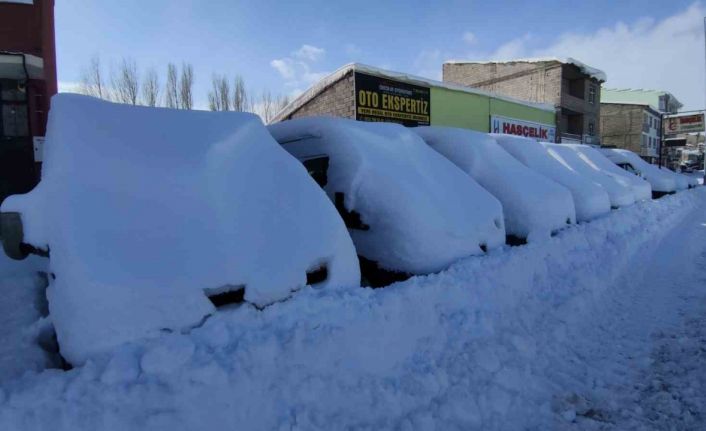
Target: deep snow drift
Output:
{"points": [[533, 205], [147, 211], [423, 213], [521, 338], [590, 200]]}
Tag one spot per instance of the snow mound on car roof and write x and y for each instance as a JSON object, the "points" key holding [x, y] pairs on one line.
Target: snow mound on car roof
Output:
{"points": [[533, 204], [423, 213], [147, 211], [620, 194], [598, 161], [590, 199]]}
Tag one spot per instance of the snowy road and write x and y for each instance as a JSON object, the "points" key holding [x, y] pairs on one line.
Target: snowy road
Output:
{"points": [[601, 327], [652, 344]]}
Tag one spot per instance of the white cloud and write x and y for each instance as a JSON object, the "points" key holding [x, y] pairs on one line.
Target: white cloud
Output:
{"points": [[296, 69], [664, 54], [469, 38], [308, 53]]}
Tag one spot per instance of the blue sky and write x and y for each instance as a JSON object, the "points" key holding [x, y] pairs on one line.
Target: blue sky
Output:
{"points": [[284, 46]]}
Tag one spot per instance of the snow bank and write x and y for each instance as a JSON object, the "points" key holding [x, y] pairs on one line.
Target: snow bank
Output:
{"points": [[422, 212], [620, 194], [533, 204], [22, 311], [658, 179], [147, 211], [497, 342], [590, 199], [598, 161]]}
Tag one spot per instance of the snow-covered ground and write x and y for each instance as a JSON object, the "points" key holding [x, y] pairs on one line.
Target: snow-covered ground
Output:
{"points": [[603, 326]]}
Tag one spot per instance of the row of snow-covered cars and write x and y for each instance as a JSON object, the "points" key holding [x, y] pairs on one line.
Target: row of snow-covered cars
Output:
{"points": [[154, 218]]}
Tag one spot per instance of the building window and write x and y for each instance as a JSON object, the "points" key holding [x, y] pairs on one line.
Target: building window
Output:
{"points": [[592, 94]]}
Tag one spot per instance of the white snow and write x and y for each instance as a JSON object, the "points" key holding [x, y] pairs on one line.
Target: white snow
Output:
{"points": [[588, 330], [590, 199], [682, 181], [658, 178], [423, 212], [620, 194], [533, 205], [641, 188], [23, 310], [145, 211], [588, 70]]}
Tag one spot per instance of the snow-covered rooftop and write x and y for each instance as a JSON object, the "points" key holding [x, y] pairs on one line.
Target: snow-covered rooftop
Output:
{"points": [[334, 77], [588, 70]]}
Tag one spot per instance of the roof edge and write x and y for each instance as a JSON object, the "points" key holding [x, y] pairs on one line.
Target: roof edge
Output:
{"points": [[337, 75]]}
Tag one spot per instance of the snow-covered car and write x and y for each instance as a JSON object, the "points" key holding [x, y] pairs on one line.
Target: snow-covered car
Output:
{"points": [[598, 161], [408, 210], [620, 194], [153, 218], [590, 199], [661, 182], [534, 206], [683, 182]]}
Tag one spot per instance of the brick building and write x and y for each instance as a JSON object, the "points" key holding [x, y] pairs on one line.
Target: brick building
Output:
{"points": [[27, 80], [632, 119], [367, 93], [572, 87], [634, 127]]}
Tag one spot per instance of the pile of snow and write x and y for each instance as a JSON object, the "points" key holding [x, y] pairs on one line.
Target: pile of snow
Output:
{"points": [[599, 162], [505, 341], [533, 205], [147, 211], [658, 178], [590, 199], [422, 212], [23, 310], [620, 194]]}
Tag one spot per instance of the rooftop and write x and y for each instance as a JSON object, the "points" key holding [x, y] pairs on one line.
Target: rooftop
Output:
{"points": [[588, 70]]}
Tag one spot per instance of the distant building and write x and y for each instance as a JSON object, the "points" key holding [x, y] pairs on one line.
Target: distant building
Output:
{"points": [[632, 119], [631, 126], [661, 101], [572, 87], [367, 93], [27, 80]]}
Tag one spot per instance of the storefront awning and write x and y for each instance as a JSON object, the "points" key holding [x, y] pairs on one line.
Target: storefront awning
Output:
{"points": [[11, 66]]}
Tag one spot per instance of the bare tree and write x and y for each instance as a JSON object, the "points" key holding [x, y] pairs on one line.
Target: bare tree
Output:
{"points": [[282, 102], [171, 91], [92, 80], [150, 88], [186, 99], [219, 96], [240, 96], [126, 84], [265, 107]]}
